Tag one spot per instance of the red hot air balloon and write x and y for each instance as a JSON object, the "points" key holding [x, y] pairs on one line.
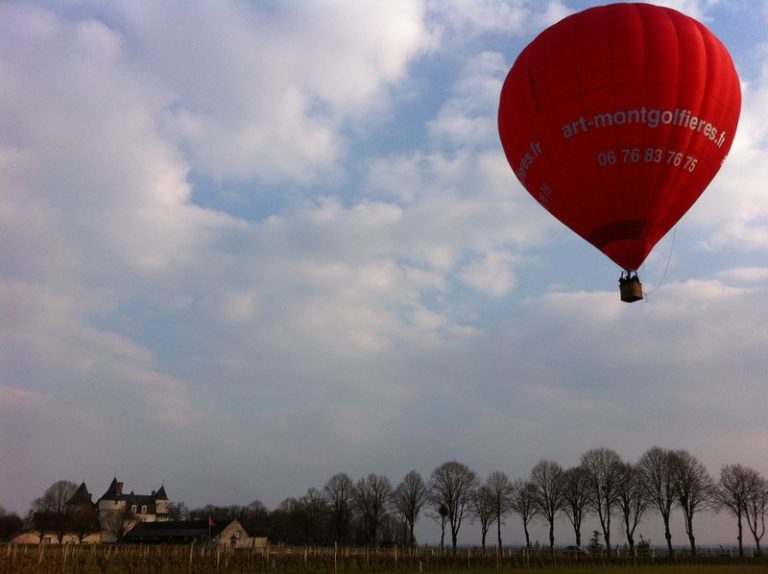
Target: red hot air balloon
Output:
{"points": [[615, 119]]}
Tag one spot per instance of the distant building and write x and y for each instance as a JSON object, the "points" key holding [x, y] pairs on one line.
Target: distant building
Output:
{"points": [[222, 532], [107, 520], [142, 507], [30, 537], [119, 513]]}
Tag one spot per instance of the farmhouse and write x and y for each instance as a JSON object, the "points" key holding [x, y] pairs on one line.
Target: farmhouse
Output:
{"points": [[224, 533]]}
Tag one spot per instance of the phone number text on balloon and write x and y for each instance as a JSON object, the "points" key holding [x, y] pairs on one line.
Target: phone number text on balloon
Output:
{"points": [[653, 155]]}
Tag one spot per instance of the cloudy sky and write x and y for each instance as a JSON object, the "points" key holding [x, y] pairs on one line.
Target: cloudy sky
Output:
{"points": [[249, 245]]}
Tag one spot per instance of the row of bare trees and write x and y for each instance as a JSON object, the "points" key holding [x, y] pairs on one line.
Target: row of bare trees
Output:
{"points": [[603, 486], [373, 511]]}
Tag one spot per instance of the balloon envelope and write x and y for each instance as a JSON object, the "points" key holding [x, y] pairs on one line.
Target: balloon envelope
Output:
{"points": [[616, 118]]}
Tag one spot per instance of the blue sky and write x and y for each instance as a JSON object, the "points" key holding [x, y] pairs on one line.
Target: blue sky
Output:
{"points": [[249, 245]]}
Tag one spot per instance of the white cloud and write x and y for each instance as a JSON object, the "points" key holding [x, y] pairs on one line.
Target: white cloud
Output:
{"points": [[745, 275], [47, 347], [694, 8], [469, 118], [492, 274], [265, 93], [463, 21], [98, 182]]}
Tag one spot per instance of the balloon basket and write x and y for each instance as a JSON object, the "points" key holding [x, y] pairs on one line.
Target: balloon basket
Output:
{"points": [[631, 290]]}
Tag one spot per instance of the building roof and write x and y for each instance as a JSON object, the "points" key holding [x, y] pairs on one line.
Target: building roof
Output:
{"points": [[181, 531], [114, 490], [81, 496], [115, 493]]}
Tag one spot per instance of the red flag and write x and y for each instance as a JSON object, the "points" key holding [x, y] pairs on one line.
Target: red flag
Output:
{"points": [[211, 522]]}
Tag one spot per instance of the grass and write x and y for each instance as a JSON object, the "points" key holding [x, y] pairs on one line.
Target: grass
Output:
{"points": [[645, 569]]}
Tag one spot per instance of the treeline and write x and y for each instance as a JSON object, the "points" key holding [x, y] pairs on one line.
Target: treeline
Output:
{"points": [[373, 511]]}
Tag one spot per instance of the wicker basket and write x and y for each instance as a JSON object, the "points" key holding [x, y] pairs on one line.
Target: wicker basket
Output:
{"points": [[631, 291]]}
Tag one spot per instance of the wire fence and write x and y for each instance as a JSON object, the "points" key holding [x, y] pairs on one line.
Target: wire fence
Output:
{"points": [[205, 559]]}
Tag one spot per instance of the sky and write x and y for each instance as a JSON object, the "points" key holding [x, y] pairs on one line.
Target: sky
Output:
{"points": [[249, 245]]}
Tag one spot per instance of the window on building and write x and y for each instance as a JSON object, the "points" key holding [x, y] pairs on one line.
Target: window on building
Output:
{"points": [[133, 508], [144, 509]]}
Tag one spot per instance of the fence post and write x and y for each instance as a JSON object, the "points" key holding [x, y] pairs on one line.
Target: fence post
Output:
{"points": [[395, 558]]}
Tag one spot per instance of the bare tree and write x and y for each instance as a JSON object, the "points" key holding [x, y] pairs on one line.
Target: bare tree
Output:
{"points": [[483, 509], [733, 492], [658, 468], [409, 498], [694, 489], [314, 510], [338, 495], [371, 497], [575, 498], [440, 516], [452, 484], [632, 500], [10, 524], [254, 517], [547, 480], [501, 495], [756, 509], [742, 491], [285, 522], [52, 511], [118, 522], [178, 511], [524, 504], [603, 469], [83, 520]]}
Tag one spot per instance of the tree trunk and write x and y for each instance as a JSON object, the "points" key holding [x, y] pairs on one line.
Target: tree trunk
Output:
{"points": [[741, 543], [667, 534], [442, 536], [630, 532], [552, 534], [527, 537], [498, 531], [606, 524], [689, 531]]}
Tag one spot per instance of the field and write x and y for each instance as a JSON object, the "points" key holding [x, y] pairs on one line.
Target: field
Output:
{"points": [[212, 560]]}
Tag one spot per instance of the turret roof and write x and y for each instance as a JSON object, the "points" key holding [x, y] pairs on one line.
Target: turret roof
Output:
{"points": [[113, 490], [81, 495]]}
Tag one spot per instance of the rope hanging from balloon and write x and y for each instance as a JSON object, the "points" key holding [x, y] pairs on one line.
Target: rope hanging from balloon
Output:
{"points": [[666, 267]]}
